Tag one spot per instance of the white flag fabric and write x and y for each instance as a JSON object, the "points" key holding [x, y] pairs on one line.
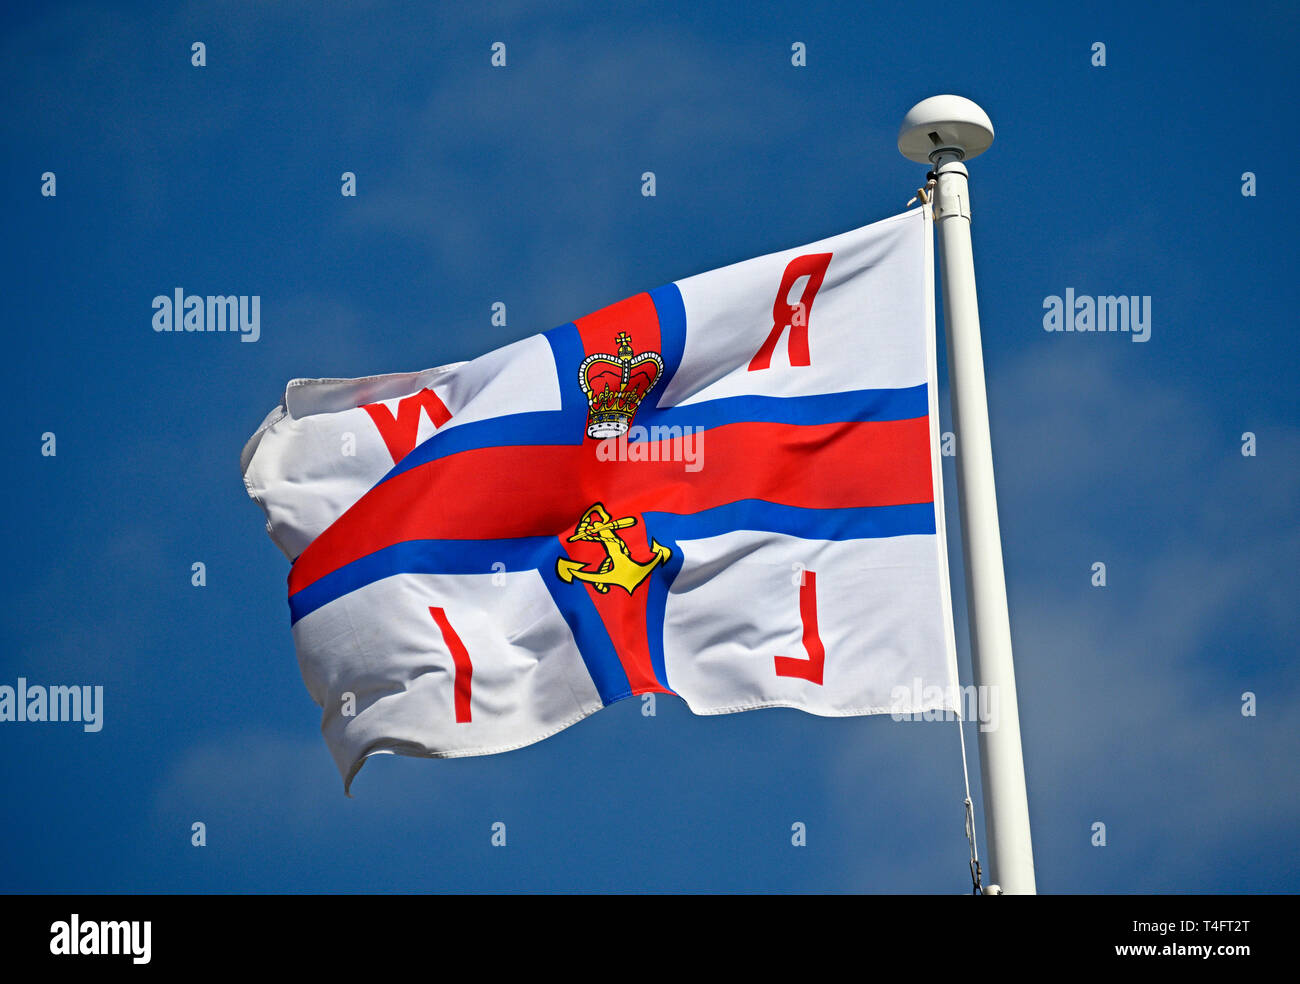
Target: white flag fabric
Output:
{"points": [[727, 489]]}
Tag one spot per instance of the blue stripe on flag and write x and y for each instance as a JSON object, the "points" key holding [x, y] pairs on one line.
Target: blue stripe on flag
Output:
{"points": [[659, 582], [567, 350], [862, 523], [672, 329], [827, 408], [594, 643], [422, 557]]}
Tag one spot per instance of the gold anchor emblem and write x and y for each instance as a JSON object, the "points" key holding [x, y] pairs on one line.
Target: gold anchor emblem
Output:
{"points": [[618, 567]]}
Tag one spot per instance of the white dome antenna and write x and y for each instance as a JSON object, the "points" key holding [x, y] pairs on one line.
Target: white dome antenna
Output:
{"points": [[950, 126]]}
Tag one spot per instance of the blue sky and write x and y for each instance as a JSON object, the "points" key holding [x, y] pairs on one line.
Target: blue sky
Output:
{"points": [[522, 185]]}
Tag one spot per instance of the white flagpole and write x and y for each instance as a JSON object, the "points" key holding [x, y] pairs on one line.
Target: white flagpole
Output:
{"points": [[944, 131]]}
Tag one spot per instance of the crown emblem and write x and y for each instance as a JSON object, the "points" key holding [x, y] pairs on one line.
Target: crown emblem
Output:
{"points": [[615, 386]]}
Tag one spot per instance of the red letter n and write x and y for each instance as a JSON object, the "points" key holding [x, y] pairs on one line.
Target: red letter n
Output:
{"points": [[793, 316], [399, 433]]}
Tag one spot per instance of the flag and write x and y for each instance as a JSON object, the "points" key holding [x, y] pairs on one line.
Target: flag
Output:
{"points": [[727, 489]]}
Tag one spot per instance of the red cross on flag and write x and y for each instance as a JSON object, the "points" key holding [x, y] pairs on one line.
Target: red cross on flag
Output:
{"points": [[727, 489]]}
